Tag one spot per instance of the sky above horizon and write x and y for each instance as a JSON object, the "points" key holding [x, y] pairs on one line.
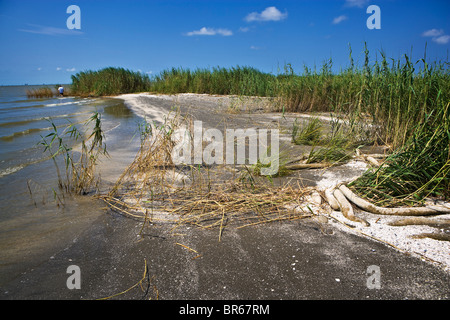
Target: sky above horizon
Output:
{"points": [[150, 36]]}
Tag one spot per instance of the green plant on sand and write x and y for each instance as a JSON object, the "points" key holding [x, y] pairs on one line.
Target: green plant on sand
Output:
{"points": [[418, 170]]}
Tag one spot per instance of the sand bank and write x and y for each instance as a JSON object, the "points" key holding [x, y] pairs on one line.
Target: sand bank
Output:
{"points": [[407, 239]]}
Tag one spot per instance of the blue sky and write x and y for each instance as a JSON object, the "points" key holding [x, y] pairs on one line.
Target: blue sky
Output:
{"points": [[149, 36]]}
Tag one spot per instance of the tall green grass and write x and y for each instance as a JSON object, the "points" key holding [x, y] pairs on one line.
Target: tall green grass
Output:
{"points": [[394, 94], [109, 81], [233, 81], [417, 170]]}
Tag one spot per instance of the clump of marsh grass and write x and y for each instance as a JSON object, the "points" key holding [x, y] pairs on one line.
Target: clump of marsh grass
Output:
{"points": [[282, 158], [418, 170], [40, 93], [310, 133], [335, 147], [333, 154], [241, 81]]}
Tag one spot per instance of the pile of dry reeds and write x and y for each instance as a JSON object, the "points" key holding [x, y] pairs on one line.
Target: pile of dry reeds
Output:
{"points": [[153, 189]]}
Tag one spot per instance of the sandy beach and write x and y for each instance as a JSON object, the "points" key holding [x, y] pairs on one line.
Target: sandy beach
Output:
{"points": [[398, 237], [325, 256]]}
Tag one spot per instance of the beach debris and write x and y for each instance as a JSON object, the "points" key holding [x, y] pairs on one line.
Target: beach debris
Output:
{"points": [[300, 166], [331, 199], [437, 223], [402, 211], [346, 208], [372, 161]]}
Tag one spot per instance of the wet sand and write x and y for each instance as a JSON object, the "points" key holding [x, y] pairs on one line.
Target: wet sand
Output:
{"points": [[283, 260]]}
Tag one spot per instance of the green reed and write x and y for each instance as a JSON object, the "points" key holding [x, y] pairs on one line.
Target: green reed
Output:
{"points": [[419, 169], [108, 81], [79, 174], [233, 81]]}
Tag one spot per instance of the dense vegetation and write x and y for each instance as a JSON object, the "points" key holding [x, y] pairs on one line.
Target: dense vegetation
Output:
{"points": [[109, 81]]}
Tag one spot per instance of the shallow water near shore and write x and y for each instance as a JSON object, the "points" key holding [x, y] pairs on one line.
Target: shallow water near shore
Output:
{"points": [[33, 222]]}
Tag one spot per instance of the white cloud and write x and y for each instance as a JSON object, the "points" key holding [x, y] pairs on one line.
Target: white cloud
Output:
{"points": [[244, 29], [433, 33], [269, 14], [437, 36], [442, 39], [34, 28], [210, 32], [149, 72], [70, 70], [39, 69], [356, 3], [58, 68], [255, 48], [339, 19]]}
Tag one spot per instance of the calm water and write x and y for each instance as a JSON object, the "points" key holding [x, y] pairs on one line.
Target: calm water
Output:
{"points": [[31, 224]]}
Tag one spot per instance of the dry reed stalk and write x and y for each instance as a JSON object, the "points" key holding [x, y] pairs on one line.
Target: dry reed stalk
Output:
{"points": [[186, 247], [139, 283], [300, 166]]}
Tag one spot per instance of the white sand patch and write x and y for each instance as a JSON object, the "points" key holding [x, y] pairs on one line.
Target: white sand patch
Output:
{"points": [[138, 104], [350, 171], [399, 237]]}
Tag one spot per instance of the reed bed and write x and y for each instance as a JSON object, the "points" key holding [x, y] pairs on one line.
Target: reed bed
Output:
{"points": [[40, 93], [246, 81], [108, 81], [418, 170], [394, 94]]}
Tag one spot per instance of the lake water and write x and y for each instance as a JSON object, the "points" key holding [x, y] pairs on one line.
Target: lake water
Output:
{"points": [[31, 222]]}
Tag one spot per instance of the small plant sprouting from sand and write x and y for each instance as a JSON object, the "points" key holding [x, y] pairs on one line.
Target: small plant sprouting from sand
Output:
{"points": [[335, 147], [283, 159], [310, 133]]}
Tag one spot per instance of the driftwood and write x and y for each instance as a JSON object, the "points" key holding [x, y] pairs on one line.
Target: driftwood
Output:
{"points": [[372, 161], [300, 166], [331, 199], [437, 223], [411, 211], [435, 236], [346, 208]]}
